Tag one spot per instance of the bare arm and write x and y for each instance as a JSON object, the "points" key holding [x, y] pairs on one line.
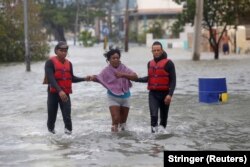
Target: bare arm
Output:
{"points": [[132, 76]]}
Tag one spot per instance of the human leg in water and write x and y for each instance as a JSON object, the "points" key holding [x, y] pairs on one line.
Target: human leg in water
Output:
{"points": [[115, 115], [123, 115], [52, 105], [153, 108], [66, 113]]}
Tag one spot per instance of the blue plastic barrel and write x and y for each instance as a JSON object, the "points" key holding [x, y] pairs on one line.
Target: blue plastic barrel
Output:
{"points": [[210, 89]]}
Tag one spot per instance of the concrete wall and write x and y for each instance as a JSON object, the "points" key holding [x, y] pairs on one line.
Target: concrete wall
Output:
{"points": [[243, 45], [186, 40], [183, 42]]}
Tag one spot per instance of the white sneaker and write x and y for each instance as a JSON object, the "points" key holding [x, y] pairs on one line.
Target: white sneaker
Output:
{"points": [[52, 131], [123, 126], [68, 132], [161, 129], [154, 129]]}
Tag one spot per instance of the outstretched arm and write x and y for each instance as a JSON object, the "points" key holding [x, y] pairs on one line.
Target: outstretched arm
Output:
{"points": [[143, 79], [76, 79], [92, 78], [132, 76]]}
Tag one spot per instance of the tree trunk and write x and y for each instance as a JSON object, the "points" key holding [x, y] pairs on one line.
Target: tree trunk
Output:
{"points": [[59, 33], [216, 52], [217, 44]]}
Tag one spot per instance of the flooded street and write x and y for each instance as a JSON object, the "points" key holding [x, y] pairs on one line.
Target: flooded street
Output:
{"points": [[24, 140]]}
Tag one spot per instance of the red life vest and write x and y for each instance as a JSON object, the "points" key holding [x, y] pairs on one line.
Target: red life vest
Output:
{"points": [[158, 78], [62, 75]]}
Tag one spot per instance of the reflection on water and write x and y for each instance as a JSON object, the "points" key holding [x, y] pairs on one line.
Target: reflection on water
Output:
{"points": [[24, 140]]}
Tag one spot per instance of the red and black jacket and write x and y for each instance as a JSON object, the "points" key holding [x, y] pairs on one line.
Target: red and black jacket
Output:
{"points": [[158, 78], [63, 76]]}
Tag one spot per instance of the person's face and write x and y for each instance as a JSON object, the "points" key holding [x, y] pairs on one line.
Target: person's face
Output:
{"points": [[157, 51], [62, 53], [115, 60]]}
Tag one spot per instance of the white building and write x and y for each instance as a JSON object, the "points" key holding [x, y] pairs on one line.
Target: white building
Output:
{"points": [[148, 11]]}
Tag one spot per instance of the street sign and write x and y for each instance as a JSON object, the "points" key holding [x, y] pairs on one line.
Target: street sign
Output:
{"points": [[105, 31]]}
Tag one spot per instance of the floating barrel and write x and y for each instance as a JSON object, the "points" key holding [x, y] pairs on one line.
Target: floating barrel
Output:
{"points": [[212, 90]]}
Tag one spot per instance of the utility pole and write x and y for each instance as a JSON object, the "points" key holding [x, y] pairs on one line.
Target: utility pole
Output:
{"points": [[236, 26], [126, 26], [76, 21], [197, 29], [26, 35], [110, 17]]}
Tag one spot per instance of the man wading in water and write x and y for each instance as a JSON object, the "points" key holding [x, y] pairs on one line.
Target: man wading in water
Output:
{"points": [[161, 81], [59, 76]]}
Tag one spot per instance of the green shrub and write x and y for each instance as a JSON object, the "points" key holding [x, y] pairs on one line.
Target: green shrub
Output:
{"points": [[141, 38], [12, 48], [156, 28], [87, 39]]}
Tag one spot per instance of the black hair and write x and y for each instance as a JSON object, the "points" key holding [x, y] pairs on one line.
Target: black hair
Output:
{"points": [[157, 43], [61, 45], [111, 52]]}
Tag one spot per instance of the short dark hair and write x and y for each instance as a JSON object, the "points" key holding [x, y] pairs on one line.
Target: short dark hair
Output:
{"points": [[111, 52], [157, 43], [61, 45]]}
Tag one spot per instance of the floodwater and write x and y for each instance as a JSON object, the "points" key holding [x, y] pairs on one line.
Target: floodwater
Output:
{"points": [[24, 140]]}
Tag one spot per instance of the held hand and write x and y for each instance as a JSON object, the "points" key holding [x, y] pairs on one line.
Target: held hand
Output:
{"points": [[88, 78], [119, 74], [92, 78], [167, 99], [63, 96]]}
